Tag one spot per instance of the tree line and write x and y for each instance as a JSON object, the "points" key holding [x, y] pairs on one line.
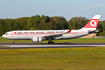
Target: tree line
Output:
{"points": [[46, 23]]}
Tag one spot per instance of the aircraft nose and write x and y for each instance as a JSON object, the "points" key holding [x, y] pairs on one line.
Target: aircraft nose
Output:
{"points": [[3, 35]]}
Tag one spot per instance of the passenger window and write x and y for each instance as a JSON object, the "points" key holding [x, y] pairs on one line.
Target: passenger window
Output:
{"points": [[31, 32], [19, 32], [25, 32]]}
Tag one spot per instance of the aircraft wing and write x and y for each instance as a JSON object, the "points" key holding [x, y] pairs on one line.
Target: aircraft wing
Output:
{"points": [[56, 35]]}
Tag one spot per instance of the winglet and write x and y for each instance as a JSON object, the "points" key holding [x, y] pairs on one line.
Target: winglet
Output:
{"points": [[69, 31]]}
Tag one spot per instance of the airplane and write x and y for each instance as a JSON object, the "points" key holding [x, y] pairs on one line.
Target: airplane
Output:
{"points": [[40, 35]]}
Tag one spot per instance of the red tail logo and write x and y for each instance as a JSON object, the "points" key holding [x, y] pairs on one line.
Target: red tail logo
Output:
{"points": [[93, 23]]}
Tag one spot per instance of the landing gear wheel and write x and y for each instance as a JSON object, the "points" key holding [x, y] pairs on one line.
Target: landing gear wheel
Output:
{"points": [[50, 42]]}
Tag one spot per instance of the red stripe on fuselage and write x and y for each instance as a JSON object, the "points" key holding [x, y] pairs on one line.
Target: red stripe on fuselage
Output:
{"points": [[43, 33], [30, 33]]}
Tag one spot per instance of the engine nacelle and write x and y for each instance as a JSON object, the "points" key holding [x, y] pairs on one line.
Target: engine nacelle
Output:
{"points": [[36, 39]]}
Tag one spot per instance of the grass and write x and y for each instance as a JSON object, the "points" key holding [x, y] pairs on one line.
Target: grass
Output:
{"points": [[3, 40], [77, 40], [86, 58], [4, 46], [82, 40], [53, 58]]}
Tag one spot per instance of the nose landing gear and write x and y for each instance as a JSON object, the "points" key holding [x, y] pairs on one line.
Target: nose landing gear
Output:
{"points": [[13, 41]]}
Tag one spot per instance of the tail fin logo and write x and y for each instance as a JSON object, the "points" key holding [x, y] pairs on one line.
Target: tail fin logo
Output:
{"points": [[93, 23]]}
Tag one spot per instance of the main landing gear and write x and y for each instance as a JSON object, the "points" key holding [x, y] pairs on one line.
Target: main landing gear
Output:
{"points": [[50, 42]]}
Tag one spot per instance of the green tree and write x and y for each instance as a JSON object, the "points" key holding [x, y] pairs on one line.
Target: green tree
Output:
{"points": [[23, 22], [53, 24], [2, 26], [42, 25], [36, 21], [77, 22], [61, 22], [103, 25], [49, 26], [43, 17]]}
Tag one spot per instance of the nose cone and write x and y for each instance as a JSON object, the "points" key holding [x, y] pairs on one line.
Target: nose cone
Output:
{"points": [[3, 35]]}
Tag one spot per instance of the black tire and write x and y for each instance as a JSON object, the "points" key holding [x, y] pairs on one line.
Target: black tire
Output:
{"points": [[49, 42], [52, 43]]}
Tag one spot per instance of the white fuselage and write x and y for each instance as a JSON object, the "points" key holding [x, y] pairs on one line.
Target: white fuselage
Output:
{"points": [[29, 34]]}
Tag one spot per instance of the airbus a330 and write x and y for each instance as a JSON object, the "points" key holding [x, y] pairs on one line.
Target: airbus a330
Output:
{"points": [[40, 35]]}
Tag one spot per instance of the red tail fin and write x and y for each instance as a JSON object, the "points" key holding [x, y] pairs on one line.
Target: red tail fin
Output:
{"points": [[93, 22]]}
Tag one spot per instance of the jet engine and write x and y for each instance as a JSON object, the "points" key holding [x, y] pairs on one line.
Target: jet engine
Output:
{"points": [[36, 39]]}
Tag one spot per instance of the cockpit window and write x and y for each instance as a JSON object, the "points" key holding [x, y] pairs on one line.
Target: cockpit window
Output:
{"points": [[6, 33]]}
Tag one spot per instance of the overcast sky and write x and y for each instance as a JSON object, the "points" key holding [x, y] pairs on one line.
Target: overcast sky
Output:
{"points": [[65, 8]]}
